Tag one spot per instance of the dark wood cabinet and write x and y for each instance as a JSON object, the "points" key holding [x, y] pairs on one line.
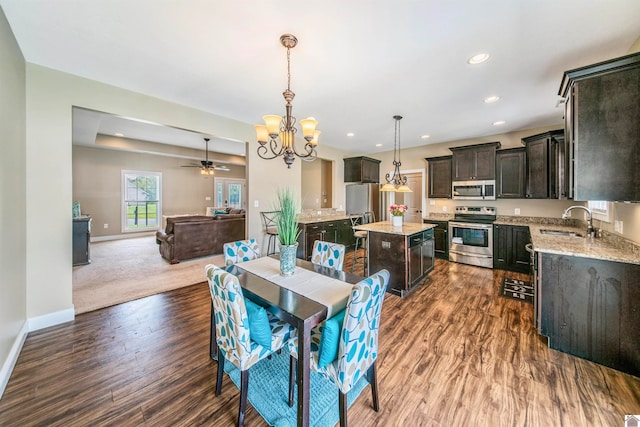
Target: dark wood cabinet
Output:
{"points": [[510, 173], [440, 238], [361, 169], [409, 258], [439, 185], [81, 235], [545, 172], [588, 308], [509, 252], [336, 231], [344, 233], [474, 162], [602, 125]]}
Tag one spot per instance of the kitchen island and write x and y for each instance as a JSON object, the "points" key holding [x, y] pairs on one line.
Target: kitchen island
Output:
{"points": [[406, 251]]}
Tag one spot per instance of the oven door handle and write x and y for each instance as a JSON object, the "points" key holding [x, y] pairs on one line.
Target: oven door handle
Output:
{"points": [[471, 255], [478, 226]]}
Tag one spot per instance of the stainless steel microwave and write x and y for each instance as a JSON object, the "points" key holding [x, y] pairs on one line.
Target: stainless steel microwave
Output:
{"points": [[474, 190]]}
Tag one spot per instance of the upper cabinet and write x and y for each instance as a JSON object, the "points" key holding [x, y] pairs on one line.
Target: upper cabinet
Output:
{"points": [[545, 165], [602, 128], [361, 169], [510, 173], [474, 162], [439, 177]]}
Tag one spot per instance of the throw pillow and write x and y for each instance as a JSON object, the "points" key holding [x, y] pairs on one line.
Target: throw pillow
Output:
{"points": [[220, 212], [330, 339], [259, 329]]}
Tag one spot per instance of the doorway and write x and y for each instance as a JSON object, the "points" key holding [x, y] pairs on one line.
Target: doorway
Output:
{"points": [[412, 200], [317, 184], [229, 193]]}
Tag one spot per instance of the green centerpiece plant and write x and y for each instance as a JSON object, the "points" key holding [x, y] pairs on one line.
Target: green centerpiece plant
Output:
{"points": [[288, 230]]}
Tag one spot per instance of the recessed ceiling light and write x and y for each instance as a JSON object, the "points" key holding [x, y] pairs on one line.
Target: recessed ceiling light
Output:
{"points": [[490, 99], [350, 134], [499, 122], [478, 58], [378, 145], [119, 134], [425, 136]]}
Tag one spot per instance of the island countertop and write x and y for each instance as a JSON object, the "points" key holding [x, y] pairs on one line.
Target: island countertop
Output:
{"points": [[407, 229]]}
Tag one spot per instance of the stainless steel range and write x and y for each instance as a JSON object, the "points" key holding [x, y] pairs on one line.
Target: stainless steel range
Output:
{"points": [[471, 235]]}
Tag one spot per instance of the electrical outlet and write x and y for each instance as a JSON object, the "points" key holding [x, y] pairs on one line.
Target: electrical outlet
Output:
{"points": [[106, 226], [516, 211], [207, 198], [256, 204], [444, 209], [432, 202]]}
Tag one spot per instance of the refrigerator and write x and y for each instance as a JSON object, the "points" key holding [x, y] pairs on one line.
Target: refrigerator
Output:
{"points": [[367, 198]]}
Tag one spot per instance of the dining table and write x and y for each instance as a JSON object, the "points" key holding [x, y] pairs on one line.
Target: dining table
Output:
{"points": [[310, 295]]}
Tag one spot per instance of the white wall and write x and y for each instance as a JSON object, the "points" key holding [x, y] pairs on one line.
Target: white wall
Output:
{"points": [[13, 207], [50, 97]]}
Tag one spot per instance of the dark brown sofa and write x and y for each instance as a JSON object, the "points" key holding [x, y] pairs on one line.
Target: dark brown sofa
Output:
{"points": [[187, 237]]}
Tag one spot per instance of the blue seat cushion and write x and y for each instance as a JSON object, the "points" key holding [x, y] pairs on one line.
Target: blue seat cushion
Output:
{"points": [[259, 329], [330, 339]]}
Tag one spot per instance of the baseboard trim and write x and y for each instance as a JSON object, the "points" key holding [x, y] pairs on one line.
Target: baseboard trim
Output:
{"points": [[51, 319], [121, 236], [12, 357]]}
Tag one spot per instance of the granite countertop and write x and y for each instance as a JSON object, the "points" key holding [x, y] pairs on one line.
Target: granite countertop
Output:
{"points": [[323, 218], [599, 248], [608, 247], [407, 229]]}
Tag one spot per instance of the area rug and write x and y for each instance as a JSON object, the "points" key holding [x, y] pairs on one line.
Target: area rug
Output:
{"points": [[517, 289], [269, 391]]}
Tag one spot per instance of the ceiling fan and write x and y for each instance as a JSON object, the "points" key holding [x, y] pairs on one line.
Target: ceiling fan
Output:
{"points": [[207, 167]]}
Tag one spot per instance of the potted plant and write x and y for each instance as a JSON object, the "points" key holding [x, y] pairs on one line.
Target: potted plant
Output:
{"points": [[397, 213], [288, 230]]}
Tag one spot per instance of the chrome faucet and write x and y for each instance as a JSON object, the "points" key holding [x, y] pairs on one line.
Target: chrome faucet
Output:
{"points": [[590, 230]]}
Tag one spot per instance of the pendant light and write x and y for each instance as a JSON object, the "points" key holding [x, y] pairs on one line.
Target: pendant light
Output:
{"points": [[396, 182]]}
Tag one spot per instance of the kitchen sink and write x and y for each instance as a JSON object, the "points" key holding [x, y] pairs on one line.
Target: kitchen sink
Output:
{"points": [[561, 233]]}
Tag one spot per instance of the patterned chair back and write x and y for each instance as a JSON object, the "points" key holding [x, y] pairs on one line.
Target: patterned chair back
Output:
{"points": [[328, 254], [240, 251], [358, 347], [232, 322]]}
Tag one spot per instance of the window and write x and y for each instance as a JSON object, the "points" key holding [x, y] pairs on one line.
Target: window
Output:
{"points": [[600, 210], [229, 193], [141, 200]]}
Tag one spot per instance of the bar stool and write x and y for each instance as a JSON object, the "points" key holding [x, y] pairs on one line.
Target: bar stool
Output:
{"points": [[270, 228], [361, 240]]}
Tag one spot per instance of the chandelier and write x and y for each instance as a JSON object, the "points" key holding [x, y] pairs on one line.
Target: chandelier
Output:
{"points": [[278, 133], [396, 182]]}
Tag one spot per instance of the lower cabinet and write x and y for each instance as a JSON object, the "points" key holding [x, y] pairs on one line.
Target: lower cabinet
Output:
{"points": [[589, 308], [336, 231], [440, 238], [509, 248], [409, 258]]}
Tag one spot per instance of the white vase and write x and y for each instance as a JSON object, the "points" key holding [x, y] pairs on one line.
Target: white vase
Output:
{"points": [[396, 221]]}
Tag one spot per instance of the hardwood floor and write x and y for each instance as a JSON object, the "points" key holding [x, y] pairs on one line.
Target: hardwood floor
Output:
{"points": [[451, 353]]}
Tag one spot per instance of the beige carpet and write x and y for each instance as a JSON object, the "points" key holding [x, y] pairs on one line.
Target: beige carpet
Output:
{"points": [[128, 269]]}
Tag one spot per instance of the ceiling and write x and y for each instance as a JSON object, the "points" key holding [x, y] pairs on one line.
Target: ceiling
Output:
{"points": [[356, 65]]}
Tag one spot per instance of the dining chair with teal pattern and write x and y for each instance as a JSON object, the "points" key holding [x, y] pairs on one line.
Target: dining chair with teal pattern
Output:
{"points": [[245, 332], [328, 254], [240, 251], [356, 341]]}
